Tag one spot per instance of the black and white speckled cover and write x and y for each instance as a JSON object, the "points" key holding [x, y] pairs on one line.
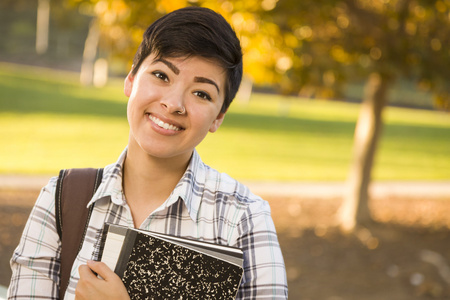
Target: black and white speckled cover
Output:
{"points": [[155, 268]]}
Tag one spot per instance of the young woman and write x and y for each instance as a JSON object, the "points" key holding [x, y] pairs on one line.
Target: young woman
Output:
{"points": [[185, 74]]}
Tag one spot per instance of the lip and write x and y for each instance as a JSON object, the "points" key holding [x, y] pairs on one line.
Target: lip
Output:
{"points": [[164, 130]]}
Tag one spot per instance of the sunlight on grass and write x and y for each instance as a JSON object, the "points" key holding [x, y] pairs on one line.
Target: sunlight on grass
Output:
{"points": [[46, 143], [49, 122]]}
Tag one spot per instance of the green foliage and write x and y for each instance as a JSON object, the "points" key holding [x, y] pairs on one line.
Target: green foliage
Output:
{"points": [[67, 34], [49, 122]]}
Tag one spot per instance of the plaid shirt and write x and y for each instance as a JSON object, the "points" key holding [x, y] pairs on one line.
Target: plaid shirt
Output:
{"points": [[205, 205]]}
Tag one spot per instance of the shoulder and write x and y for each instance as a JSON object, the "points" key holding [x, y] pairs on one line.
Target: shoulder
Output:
{"points": [[224, 186], [47, 195]]}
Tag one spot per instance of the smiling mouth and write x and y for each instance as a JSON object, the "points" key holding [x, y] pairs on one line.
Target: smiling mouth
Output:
{"points": [[162, 124]]}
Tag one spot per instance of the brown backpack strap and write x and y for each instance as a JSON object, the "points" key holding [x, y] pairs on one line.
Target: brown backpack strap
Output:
{"points": [[74, 190]]}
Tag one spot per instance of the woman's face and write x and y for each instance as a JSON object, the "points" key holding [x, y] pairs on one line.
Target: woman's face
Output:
{"points": [[173, 103]]}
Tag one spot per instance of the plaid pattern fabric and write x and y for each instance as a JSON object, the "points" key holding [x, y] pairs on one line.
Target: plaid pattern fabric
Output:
{"points": [[205, 205]]}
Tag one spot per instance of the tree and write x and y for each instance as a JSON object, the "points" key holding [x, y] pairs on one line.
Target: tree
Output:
{"points": [[380, 40], [314, 47], [116, 27], [121, 24], [42, 25]]}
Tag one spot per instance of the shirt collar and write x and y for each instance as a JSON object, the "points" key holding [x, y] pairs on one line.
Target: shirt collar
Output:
{"points": [[111, 185], [191, 186], [189, 189]]}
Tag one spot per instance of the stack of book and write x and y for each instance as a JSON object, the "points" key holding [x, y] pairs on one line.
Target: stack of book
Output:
{"points": [[159, 266]]}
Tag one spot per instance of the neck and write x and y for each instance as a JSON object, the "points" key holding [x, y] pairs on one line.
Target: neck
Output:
{"points": [[148, 181], [140, 167]]}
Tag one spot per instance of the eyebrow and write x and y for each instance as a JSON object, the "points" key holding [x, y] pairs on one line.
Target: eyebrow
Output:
{"points": [[168, 64], [206, 80], [177, 72]]}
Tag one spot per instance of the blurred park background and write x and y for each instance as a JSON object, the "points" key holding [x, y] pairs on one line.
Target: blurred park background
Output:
{"points": [[337, 94]]}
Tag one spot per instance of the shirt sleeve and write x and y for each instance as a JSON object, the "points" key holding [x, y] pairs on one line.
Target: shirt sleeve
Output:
{"points": [[264, 271], [35, 263]]}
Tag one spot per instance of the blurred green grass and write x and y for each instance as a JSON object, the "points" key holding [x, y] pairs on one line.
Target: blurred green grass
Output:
{"points": [[49, 122]]}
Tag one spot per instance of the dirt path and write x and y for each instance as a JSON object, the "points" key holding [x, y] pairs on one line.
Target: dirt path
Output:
{"points": [[406, 256]]}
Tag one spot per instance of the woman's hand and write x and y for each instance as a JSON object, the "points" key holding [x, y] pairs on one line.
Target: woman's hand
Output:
{"points": [[109, 286]]}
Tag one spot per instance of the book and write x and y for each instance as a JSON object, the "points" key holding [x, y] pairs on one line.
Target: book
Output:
{"points": [[160, 266]]}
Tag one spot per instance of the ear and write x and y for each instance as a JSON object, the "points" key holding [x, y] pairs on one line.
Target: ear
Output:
{"points": [[217, 122], [128, 84]]}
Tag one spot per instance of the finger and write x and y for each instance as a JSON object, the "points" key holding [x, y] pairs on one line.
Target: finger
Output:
{"points": [[101, 269], [86, 272]]}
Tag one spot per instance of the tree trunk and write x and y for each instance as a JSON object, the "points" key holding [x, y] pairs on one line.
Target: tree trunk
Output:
{"points": [[42, 25], [89, 54], [355, 208]]}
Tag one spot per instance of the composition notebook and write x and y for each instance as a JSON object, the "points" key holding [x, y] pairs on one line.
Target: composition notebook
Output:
{"points": [[159, 266]]}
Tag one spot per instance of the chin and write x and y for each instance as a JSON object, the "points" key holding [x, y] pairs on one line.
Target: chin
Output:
{"points": [[165, 153]]}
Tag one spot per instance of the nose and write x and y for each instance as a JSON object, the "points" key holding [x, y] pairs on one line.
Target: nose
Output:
{"points": [[174, 102]]}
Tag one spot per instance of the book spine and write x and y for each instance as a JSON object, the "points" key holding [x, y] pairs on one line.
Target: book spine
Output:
{"points": [[125, 252]]}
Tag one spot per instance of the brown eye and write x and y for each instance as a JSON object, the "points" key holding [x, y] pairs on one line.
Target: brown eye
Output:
{"points": [[203, 95], [161, 76]]}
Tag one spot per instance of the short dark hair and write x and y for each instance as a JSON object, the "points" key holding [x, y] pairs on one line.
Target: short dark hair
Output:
{"points": [[195, 31]]}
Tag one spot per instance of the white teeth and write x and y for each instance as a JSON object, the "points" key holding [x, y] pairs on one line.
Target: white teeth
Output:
{"points": [[163, 124]]}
